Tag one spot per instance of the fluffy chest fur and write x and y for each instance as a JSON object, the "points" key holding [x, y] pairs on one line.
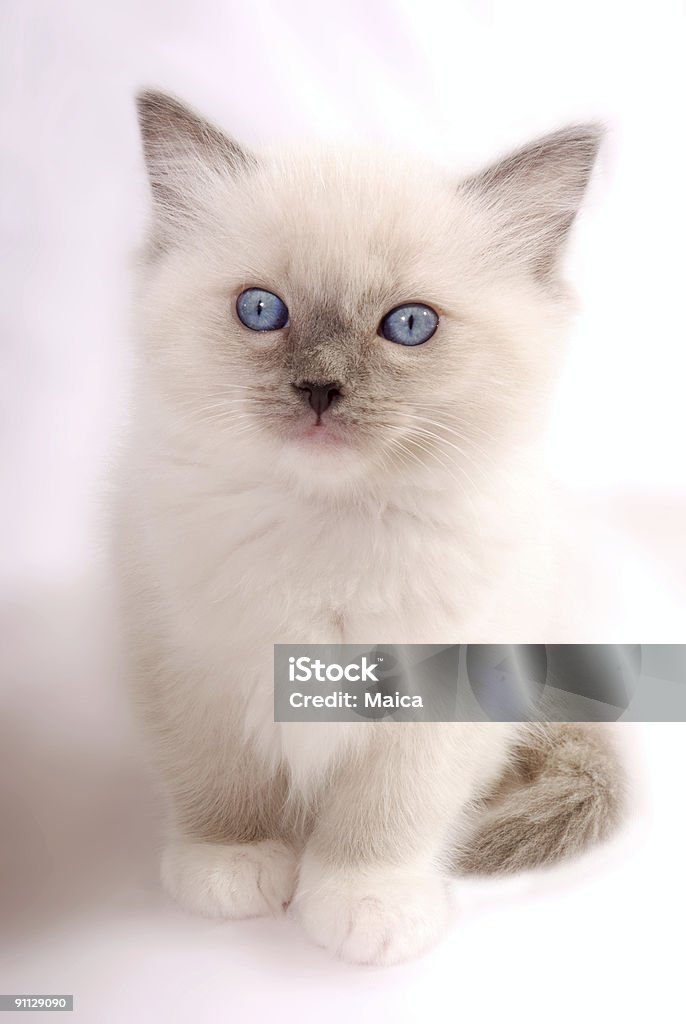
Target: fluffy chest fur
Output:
{"points": [[233, 572]]}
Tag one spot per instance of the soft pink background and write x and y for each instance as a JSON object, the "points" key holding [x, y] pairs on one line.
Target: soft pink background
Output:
{"points": [[80, 909]]}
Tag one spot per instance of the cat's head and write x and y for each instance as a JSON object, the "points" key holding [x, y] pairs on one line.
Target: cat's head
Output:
{"points": [[338, 318]]}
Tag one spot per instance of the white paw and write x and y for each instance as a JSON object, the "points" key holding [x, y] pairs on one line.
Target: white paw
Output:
{"points": [[237, 880], [372, 916]]}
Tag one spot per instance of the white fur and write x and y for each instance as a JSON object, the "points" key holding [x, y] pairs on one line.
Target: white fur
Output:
{"points": [[233, 536], [373, 915], [235, 881]]}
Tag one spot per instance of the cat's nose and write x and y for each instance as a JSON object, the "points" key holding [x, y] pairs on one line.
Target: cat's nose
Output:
{"points": [[320, 396]]}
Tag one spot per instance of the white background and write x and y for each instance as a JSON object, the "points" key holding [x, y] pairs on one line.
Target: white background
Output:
{"points": [[462, 81]]}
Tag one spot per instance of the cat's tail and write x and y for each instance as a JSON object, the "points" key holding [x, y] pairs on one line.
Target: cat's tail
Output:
{"points": [[566, 791]]}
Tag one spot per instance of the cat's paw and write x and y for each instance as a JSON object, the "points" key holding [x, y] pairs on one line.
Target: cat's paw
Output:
{"points": [[380, 916], [234, 881]]}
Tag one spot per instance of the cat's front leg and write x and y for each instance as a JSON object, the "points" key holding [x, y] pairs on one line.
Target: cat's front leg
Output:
{"points": [[230, 853], [373, 885], [373, 915], [229, 880]]}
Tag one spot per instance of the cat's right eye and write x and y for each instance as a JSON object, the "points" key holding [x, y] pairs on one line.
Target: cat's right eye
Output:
{"points": [[260, 310]]}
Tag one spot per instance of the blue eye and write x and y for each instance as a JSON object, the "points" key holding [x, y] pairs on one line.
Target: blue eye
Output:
{"points": [[260, 310], [412, 324]]}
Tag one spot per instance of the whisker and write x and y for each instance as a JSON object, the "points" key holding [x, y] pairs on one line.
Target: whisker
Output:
{"points": [[452, 429], [472, 426], [445, 441], [222, 416]]}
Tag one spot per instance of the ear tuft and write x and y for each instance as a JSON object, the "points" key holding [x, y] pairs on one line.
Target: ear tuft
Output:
{"points": [[535, 193]]}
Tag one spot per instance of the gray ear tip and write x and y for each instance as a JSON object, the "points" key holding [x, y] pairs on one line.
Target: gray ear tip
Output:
{"points": [[597, 129], [591, 132], [574, 148], [153, 104], [586, 129], [149, 104], [584, 138], [146, 98]]}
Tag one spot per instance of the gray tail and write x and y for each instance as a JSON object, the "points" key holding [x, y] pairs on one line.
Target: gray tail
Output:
{"points": [[565, 791]]}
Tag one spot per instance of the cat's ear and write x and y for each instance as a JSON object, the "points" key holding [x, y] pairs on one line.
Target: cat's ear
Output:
{"points": [[183, 154], [535, 193]]}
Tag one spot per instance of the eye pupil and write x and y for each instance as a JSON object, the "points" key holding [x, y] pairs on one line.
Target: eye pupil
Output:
{"points": [[260, 310], [411, 324]]}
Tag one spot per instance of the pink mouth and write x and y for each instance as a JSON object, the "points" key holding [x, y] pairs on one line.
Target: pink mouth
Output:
{"points": [[320, 435]]}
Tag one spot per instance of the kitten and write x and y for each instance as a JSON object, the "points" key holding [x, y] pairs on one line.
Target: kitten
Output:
{"points": [[344, 360]]}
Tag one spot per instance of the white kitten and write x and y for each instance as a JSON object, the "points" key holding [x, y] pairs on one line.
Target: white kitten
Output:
{"points": [[305, 467]]}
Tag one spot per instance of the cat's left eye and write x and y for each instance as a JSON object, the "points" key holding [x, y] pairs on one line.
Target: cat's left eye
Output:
{"points": [[412, 324], [261, 310]]}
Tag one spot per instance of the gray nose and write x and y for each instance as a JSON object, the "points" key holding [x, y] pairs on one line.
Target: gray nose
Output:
{"points": [[320, 396]]}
